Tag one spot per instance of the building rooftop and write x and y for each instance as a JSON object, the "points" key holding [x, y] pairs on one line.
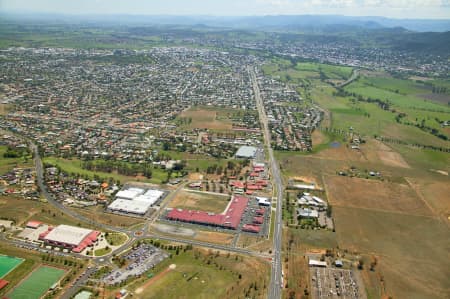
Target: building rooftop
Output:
{"points": [[68, 234], [246, 152], [231, 217]]}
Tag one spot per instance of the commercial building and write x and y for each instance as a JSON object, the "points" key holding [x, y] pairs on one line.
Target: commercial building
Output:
{"points": [[246, 152], [69, 237], [307, 213], [230, 218], [251, 228], [263, 201], [135, 200], [316, 263]]}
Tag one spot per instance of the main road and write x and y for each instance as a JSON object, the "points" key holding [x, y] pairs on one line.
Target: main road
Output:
{"points": [[276, 280]]}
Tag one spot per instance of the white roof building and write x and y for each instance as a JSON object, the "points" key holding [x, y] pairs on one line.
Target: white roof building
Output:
{"points": [[135, 200], [248, 152], [316, 263], [263, 201], [67, 234]]}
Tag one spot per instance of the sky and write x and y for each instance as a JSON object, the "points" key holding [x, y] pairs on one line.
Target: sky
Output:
{"points": [[430, 9]]}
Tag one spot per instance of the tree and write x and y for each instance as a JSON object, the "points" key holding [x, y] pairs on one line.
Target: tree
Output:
{"points": [[361, 264]]}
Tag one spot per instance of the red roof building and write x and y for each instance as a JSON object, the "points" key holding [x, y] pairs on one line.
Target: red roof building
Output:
{"points": [[251, 228], [253, 187], [230, 218], [260, 211], [3, 283], [33, 224], [258, 220], [238, 184]]}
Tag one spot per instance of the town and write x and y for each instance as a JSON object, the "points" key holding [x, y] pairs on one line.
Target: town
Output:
{"points": [[193, 161]]}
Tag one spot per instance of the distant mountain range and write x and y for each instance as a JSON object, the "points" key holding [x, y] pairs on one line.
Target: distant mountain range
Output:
{"points": [[271, 22]]}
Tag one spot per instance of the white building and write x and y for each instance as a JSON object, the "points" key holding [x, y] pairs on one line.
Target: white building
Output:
{"points": [[135, 200]]}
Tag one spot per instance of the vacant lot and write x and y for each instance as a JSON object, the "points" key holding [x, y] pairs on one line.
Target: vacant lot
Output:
{"points": [[200, 201], [412, 250], [74, 166], [214, 237], [21, 210], [98, 214], [374, 194], [201, 274], [7, 164], [205, 119]]}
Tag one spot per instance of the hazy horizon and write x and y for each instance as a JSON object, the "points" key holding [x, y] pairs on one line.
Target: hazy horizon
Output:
{"points": [[397, 9]]}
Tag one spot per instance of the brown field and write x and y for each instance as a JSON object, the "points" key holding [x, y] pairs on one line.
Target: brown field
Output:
{"points": [[98, 214], [412, 250], [200, 201], [214, 237], [255, 243], [374, 194], [436, 194], [390, 157], [318, 138], [205, 119], [22, 210], [341, 153]]}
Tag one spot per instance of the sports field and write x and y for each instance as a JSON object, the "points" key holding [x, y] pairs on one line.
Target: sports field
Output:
{"points": [[8, 263], [37, 283]]}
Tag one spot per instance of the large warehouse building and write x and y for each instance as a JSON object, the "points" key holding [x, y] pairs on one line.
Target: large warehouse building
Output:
{"points": [[246, 152], [135, 200], [69, 237], [230, 218]]}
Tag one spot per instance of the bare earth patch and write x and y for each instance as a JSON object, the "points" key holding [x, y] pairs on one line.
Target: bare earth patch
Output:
{"points": [[174, 230], [390, 157], [214, 237], [374, 194]]}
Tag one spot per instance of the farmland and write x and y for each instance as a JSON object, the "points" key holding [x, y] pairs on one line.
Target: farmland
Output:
{"points": [[401, 218]]}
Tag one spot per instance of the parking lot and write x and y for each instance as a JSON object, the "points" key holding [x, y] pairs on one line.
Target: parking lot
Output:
{"points": [[335, 283], [249, 215], [139, 261], [247, 218]]}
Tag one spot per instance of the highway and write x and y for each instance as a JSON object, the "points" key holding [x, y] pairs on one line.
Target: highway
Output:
{"points": [[276, 279]]}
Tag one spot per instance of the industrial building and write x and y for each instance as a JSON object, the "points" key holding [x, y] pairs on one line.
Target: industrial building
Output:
{"points": [[230, 218], [246, 152], [69, 237], [135, 200]]}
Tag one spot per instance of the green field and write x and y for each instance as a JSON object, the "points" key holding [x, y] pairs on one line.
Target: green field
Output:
{"points": [[201, 274], [75, 166], [7, 164], [8, 263], [35, 285]]}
